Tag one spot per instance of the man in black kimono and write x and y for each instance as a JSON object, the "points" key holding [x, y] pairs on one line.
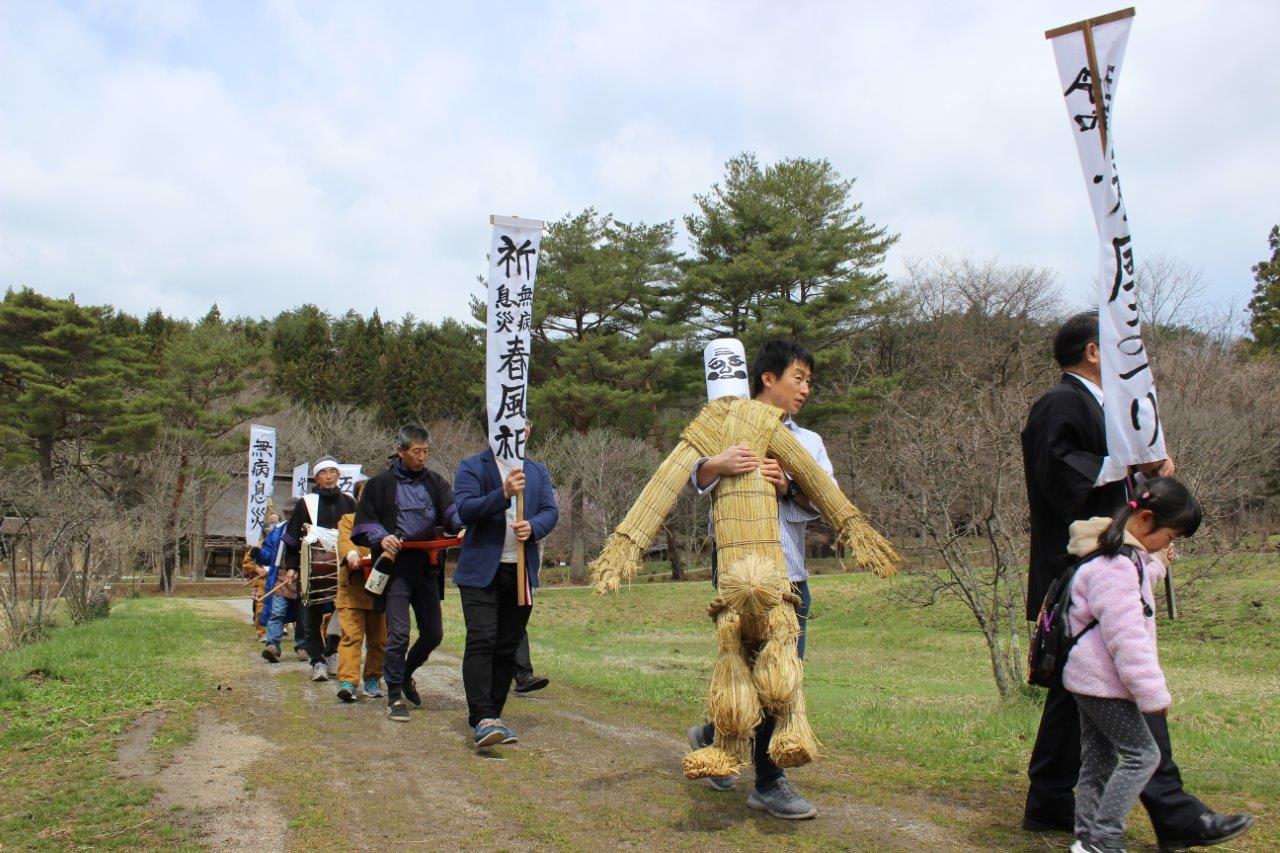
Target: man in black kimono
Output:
{"points": [[322, 508], [1071, 477]]}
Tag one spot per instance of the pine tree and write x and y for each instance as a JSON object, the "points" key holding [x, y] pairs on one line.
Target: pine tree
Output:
{"points": [[305, 356], [206, 371], [1264, 307], [784, 251], [70, 373]]}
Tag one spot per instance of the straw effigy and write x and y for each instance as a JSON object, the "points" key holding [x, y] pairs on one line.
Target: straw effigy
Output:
{"points": [[758, 667]]}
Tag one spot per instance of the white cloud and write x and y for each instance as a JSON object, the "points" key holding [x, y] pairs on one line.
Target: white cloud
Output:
{"points": [[177, 154]]}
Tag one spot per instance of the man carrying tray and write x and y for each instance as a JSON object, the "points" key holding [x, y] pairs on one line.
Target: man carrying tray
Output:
{"points": [[407, 502]]}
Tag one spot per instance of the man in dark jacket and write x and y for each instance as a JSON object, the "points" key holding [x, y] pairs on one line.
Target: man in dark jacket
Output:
{"points": [[322, 508], [486, 578], [1071, 477], [407, 502]]}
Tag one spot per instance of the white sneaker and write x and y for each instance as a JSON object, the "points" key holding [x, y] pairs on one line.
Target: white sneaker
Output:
{"points": [[318, 673]]}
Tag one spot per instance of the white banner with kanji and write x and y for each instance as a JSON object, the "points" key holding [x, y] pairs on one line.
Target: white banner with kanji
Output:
{"points": [[262, 474], [300, 475], [1134, 433], [513, 269], [347, 477]]}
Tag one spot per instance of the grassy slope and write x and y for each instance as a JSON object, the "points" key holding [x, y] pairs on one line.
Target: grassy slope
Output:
{"points": [[904, 699], [58, 728]]}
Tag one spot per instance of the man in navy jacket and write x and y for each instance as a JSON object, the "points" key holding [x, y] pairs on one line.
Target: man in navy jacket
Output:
{"points": [[486, 578]]}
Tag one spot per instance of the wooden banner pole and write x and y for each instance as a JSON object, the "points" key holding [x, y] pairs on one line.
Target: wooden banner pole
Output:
{"points": [[1086, 28], [522, 576]]}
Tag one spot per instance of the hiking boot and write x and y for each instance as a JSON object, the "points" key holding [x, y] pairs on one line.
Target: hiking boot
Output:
{"points": [[347, 691], [331, 665], [411, 693], [531, 683], [301, 654], [371, 688], [317, 672], [398, 711], [782, 802], [697, 741], [271, 653], [491, 732]]}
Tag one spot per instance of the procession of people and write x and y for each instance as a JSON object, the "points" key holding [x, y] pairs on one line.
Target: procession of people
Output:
{"points": [[1104, 740]]}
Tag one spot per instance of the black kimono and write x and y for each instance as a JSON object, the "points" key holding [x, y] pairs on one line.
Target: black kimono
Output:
{"points": [[1063, 445], [333, 504]]}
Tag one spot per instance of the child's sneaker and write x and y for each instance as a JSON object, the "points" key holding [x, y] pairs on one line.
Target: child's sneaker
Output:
{"points": [[398, 711], [346, 691], [371, 688]]}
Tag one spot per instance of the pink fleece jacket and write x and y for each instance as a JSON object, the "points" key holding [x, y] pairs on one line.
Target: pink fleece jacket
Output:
{"points": [[1117, 659]]}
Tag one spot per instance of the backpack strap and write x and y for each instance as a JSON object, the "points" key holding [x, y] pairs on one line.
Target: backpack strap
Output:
{"points": [[1132, 554]]}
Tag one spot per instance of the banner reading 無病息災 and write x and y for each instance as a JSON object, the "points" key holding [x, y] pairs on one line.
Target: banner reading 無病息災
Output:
{"points": [[513, 269], [262, 474], [1089, 55]]}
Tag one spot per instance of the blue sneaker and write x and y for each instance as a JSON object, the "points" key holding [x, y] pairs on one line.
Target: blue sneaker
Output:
{"points": [[491, 732], [346, 691], [371, 688]]}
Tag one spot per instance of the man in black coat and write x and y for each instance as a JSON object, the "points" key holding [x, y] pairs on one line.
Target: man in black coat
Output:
{"points": [[407, 502], [1071, 477]]}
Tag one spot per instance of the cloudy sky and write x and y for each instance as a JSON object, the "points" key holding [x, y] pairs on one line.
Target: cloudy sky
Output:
{"points": [[264, 154]]}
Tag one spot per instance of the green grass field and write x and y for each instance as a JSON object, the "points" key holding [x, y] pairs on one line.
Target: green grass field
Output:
{"points": [[64, 701], [902, 698]]}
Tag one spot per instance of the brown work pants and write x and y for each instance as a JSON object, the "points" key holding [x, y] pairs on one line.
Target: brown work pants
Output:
{"points": [[360, 627], [259, 587]]}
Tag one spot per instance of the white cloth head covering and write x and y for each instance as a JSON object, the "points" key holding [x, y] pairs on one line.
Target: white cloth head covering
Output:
{"points": [[326, 462]]}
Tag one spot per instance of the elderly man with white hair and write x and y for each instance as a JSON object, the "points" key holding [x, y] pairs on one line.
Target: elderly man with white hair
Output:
{"points": [[320, 511]]}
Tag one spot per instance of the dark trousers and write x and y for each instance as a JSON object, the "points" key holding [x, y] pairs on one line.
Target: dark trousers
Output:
{"points": [[418, 592], [1055, 769], [524, 664], [766, 771], [318, 644], [495, 626]]}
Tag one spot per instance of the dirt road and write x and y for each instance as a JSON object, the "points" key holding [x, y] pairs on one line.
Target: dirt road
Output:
{"points": [[279, 763]]}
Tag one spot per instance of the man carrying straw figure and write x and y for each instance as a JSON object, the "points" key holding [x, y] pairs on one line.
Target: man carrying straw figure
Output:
{"points": [[768, 478]]}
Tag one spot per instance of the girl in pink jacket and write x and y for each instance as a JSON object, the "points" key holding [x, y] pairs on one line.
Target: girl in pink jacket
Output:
{"points": [[1113, 669]]}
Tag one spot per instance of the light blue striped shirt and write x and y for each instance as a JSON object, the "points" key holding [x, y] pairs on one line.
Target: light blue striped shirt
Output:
{"points": [[792, 518]]}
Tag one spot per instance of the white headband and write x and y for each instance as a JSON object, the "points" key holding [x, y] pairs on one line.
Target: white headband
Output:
{"points": [[323, 464]]}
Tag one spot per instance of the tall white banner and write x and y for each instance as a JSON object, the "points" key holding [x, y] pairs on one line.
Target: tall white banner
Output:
{"points": [[1089, 55], [513, 269], [262, 474], [300, 473]]}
